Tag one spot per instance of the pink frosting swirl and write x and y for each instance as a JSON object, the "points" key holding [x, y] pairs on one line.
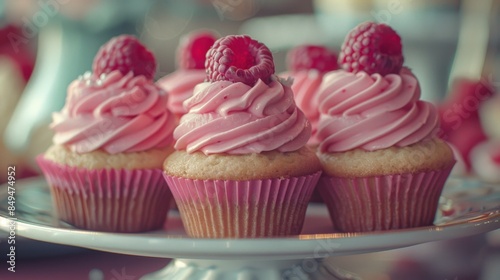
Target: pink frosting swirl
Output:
{"points": [[180, 85], [373, 112], [234, 118], [305, 86], [116, 113]]}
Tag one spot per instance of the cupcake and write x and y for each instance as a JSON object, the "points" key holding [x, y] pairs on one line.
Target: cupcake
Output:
{"points": [[383, 165], [191, 69], [110, 141], [485, 156], [460, 114], [485, 161], [307, 64], [241, 168]]}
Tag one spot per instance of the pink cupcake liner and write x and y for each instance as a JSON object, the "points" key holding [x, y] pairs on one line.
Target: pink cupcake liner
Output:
{"points": [[383, 202], [242, 209], [115, 200]]}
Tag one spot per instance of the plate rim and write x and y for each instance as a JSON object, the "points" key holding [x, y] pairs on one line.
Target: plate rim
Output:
{"points": [[305, 245]]}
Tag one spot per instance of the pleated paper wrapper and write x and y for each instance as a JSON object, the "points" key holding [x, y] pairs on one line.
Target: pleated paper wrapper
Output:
{"points": [[242, 209], [112, 200], [383, 202]]}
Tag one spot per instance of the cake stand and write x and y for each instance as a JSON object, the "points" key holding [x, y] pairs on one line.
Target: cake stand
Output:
{"points": [[467, 207]]}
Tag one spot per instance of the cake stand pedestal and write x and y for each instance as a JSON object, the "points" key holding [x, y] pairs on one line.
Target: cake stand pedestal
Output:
{"points": [[318, 269]]}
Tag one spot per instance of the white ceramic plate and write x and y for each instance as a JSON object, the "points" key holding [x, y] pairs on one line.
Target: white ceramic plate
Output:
{"points": [[471, 207]]}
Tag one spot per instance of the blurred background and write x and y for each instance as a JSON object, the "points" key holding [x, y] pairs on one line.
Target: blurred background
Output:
{"points": [[450, 45], [46, 44]]}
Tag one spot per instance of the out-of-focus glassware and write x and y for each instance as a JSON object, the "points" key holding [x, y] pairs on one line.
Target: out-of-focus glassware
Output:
{"points": [[16, 66]]}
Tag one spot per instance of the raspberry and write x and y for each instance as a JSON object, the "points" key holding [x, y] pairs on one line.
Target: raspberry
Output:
{"points": [[126, 54], [463, 89], [239, 58], [496, 157], [373, 48], [193, 48], [308, 57], [459, 115]]}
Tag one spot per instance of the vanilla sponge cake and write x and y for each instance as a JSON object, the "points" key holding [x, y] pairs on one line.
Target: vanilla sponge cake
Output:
{"points": [[428, 155], [98, 159], [263, 165]]}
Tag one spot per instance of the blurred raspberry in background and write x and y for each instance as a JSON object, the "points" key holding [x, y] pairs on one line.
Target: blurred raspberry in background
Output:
{"points": [[461, 124]]}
